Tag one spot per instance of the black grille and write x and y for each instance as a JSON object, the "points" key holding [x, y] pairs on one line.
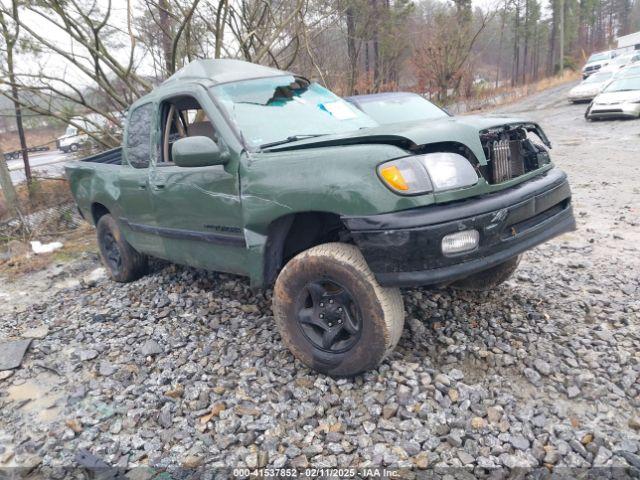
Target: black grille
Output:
{"points": [[607, 110]]}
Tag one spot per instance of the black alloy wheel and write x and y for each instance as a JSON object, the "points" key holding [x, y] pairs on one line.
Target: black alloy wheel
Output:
{"points": [[122, 261], [328, 316], [331, 312]]}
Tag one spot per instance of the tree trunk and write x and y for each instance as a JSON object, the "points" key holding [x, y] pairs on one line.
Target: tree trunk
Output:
{"points": [[8, 190], [351, 49], [552, 39], [167, 41], [375, 39], [221, 22], [504, 18], [562, 7], [516, 48], [526, 42], [18, 111]]}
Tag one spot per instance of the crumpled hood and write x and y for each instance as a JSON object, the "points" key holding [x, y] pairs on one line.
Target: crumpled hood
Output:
{"points": [[617, 97], [464, 129]]}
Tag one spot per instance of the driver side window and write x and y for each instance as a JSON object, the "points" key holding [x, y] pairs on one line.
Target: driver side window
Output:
{"points": [[183, 117]]}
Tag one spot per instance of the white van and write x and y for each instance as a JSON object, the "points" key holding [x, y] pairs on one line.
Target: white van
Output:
{"points": [[72, 138], [596, 61]]}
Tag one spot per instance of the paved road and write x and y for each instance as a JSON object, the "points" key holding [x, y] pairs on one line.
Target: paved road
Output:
{"points": [[43, 164]]}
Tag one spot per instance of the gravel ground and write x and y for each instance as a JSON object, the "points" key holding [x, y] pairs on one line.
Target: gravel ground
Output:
{"points": [[184, 368]]}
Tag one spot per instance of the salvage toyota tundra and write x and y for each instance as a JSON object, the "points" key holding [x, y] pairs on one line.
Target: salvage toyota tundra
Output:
{"points": [[245, 169]]}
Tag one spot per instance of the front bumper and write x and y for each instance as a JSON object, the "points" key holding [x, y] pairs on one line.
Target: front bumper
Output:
{"points": [[619, 110], [404, 248], [582, 97]]}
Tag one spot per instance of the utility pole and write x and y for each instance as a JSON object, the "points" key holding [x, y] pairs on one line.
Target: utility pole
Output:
{"points": [[561, 37]]}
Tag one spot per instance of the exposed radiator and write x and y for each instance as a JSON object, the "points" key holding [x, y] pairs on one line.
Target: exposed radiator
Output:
{"points": [[506, 160], [501, 161]]}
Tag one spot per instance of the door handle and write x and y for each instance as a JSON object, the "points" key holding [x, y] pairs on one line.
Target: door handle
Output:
{"points": [[158, 186], [142, 186]]}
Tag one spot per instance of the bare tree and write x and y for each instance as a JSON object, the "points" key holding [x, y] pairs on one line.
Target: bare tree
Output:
{"points": [[444, 49]]}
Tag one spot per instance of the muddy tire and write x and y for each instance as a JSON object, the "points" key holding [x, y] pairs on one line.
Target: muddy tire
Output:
{"points": [[490, 278], [122, 261], [332, 313]]}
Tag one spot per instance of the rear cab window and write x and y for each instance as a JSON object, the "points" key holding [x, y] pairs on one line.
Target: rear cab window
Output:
{"points": [[139, 136]]}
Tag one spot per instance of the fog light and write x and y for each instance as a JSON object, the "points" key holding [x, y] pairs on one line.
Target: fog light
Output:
{"points": [[459, 242]]}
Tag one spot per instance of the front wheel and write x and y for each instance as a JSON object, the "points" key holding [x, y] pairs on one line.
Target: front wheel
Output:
{"points": [[331, 312], [122, 261]]}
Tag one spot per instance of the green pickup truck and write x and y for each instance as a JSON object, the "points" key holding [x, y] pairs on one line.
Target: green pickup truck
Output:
{"points": [[245, 169]]}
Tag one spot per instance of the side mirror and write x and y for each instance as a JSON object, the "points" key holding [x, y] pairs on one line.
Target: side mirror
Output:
{"points": [[197, 152]]}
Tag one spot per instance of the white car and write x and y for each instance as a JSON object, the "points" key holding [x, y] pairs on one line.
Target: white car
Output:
{"points": [[620, 99], [632, 70], [586, 90], [620, 62], [595, 62]]}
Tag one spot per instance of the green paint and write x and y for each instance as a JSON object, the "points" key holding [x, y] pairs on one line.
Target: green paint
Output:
{"points": [[239, 190]]}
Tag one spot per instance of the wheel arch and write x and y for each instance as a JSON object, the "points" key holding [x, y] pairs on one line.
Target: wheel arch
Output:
{"points": [[293, 233], [97, 211]]}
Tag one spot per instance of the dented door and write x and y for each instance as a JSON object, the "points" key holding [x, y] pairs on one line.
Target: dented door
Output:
{"points": [[197, 213]]}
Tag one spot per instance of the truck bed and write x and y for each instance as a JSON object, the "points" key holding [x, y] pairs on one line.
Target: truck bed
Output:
{"points": [[92, 175], [109, 157]]}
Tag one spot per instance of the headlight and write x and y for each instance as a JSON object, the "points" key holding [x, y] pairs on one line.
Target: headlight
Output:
{"points": [[432, 172]]}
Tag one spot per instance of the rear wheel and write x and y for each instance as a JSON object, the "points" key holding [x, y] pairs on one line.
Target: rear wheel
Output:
{"points": [[490, 278], [122, 261], [332, 313]]}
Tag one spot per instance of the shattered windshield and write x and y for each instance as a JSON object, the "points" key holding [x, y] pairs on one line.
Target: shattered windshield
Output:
{"points": [[274, 109]]}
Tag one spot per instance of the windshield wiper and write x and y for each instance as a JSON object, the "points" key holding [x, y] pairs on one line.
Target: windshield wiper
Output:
{"points": [[292, 138]]}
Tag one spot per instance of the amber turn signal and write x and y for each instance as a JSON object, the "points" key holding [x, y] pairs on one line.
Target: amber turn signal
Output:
{"points": [[393, 176]]}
